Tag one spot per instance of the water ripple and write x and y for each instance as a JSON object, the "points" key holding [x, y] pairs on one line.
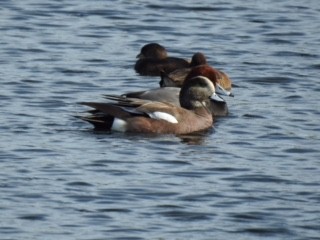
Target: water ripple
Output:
{"points": [[255, 174]]}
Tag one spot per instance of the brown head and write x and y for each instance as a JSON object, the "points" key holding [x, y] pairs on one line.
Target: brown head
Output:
{"points": [[203, 70], [198, 59], [210, 73], [152, 50]]}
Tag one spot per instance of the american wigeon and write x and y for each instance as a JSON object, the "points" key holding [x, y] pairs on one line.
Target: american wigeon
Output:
{"points": [[143, 116], [171, 94], [153, 59], [177, 77]]}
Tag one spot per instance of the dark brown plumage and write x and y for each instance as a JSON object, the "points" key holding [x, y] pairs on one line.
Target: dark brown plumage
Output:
{"points": [[153, 59]]}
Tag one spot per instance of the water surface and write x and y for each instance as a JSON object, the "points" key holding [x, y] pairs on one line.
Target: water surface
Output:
{"points": [[254, 175]]}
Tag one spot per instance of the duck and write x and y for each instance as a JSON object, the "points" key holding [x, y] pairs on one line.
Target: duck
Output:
{"points": [[171, 94], [153, 59], [176, 78], [131, 115]]}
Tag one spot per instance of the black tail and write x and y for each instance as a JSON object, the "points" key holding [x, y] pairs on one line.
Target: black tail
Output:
{"points": [[99, 121]]}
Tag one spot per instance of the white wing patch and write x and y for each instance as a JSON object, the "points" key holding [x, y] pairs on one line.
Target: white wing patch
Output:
{"points": [[164, 116], [119, 125]]}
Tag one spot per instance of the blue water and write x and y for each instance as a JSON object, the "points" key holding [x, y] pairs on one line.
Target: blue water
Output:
{"points": [[255, 175]]}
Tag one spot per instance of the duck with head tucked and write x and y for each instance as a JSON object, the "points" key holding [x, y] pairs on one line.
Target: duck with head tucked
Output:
{"points": [[146, 116], [171, 94], [153, 59]]}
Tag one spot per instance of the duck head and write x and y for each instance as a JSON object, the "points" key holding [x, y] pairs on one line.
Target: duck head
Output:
{"points": [[197, 93], [152, 50]]}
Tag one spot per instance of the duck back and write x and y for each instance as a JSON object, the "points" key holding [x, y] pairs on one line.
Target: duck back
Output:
{"points": [[154, 67]]}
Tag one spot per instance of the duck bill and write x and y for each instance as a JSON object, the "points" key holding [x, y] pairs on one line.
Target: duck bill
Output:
{"points": [[221, 91], [216, 98]]}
